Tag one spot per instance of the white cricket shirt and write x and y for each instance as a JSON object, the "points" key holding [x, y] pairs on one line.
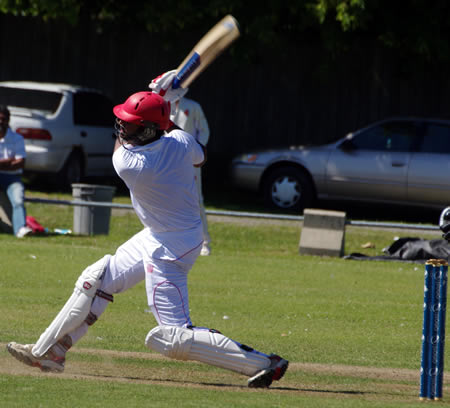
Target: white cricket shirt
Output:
{"points": [[160, 177]]}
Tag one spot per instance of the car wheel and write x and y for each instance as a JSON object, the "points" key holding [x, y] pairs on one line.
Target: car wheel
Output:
{"points": [[288, 188], [72, 171]]}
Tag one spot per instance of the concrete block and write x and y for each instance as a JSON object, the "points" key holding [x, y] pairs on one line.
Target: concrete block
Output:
{"points": [[323, 232]]}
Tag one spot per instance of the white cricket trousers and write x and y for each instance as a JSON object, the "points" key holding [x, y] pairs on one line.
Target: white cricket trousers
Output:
{"points": [[165, 281]]}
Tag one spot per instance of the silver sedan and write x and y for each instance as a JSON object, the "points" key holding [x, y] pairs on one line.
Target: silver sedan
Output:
{"points": [[402, 161]]}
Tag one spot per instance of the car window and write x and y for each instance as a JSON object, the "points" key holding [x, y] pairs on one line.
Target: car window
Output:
{"points": [[92, 109], [44, 101], [390, 136], [436, 139]]}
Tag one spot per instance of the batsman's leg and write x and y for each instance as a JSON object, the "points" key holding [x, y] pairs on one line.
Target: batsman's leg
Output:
{"points": [[76, 309], [175, 336], [93, 292], [49, 351], [211, 347]]}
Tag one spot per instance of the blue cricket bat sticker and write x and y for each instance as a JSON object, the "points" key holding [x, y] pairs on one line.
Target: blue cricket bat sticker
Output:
{"points": [[187, 70]]}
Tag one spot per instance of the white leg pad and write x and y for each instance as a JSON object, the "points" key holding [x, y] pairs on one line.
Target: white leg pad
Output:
{"points": [[76, 308], [207, 347]]}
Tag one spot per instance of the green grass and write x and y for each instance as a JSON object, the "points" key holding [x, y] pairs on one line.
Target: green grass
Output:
{"points": [[317, 312]]}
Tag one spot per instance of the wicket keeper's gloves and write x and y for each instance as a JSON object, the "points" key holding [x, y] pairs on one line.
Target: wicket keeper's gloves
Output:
{"points": [[444, 223]]}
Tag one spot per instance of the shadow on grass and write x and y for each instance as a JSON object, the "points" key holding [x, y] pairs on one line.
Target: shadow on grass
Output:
{"points": [[200, 384]]}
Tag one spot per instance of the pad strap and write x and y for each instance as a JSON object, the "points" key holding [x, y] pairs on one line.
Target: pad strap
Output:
{"points": [[104, 295]]}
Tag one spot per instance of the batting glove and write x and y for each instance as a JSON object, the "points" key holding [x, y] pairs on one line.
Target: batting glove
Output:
{"points": [[162, 85], [444, 223]]}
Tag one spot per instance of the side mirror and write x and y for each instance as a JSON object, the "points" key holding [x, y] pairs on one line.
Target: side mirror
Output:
{"points": [[347, 145]]}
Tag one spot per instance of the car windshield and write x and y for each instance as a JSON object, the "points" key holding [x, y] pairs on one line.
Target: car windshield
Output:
{"points": [[45, 101]]}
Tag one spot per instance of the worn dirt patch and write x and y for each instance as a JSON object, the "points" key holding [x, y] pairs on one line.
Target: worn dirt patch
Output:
{"points": [[329, 369], [305, 378]]}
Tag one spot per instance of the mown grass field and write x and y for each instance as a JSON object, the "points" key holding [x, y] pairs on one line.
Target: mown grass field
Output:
{"points": [[351, 330]]}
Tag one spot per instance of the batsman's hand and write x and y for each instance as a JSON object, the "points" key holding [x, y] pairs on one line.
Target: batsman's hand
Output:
{"points": [[162, 85], [444, 223]]}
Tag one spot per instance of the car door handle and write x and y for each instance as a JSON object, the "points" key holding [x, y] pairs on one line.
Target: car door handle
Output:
{"points": [[83, 133], [398, 164]]}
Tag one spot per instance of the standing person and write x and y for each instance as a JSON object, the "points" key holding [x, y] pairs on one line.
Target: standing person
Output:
{"points": [[12, 162], [189, 116], [155, 159]]}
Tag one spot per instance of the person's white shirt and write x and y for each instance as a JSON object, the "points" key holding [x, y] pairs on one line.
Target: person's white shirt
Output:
{"points": [[161, 180], [12, 145], [190, 117]]}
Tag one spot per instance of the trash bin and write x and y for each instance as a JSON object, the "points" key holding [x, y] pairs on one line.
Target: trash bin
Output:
{"points": [[91, 220]]}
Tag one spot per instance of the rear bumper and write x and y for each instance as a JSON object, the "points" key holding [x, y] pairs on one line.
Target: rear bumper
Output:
{"points": [[45, 159]]}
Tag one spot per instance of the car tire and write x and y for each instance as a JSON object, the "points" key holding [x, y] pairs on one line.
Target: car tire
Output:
{"points": [[72, 171], [288, 188]]}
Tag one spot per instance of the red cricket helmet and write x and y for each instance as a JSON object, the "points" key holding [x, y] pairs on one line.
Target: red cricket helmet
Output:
{"points": [[144, 106]]}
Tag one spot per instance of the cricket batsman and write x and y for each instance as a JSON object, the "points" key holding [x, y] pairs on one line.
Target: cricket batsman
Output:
{"points": [[156, 160]]}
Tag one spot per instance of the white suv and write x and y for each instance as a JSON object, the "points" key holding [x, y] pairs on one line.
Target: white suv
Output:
{"points": [[68, 129]]}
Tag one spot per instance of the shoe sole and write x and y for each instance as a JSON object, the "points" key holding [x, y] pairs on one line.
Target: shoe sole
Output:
{"points": [[265, 378], [44, 365], [261, 380]]}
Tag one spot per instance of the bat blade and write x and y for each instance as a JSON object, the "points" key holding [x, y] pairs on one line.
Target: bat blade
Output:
{"points": [[210, 46]]}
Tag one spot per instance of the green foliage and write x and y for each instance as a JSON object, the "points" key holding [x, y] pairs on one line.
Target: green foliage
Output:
{"points": [[46, 9], [348, 12], [416, 28]]}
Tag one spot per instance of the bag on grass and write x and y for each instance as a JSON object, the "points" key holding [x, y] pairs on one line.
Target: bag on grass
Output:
{"points": [[34, 225]]}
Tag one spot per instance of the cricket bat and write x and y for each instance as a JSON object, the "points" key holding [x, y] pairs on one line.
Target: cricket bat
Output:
{"points": [[210, 46]]}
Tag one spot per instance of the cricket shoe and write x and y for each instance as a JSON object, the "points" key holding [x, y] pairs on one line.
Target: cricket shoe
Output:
{"points": [[49, 362], [274, 372]]}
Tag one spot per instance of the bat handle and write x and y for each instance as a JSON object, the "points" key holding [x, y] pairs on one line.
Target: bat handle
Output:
{"points": [[186, 70]]}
